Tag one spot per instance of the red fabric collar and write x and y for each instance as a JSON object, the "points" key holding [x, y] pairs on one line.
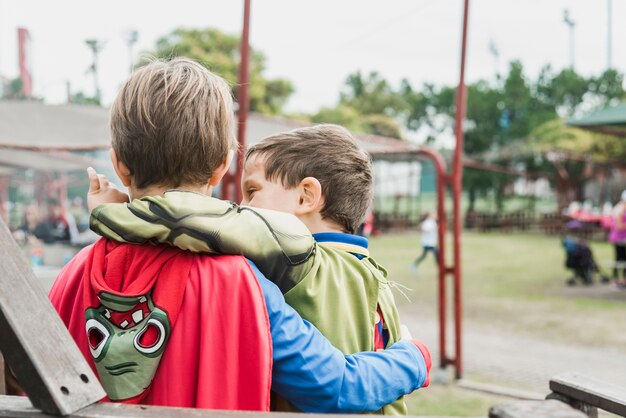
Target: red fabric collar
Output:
{"points": [[133, 270]]}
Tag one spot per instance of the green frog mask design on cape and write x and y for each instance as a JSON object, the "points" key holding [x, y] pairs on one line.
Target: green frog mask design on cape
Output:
{"points": [[127, 337]]}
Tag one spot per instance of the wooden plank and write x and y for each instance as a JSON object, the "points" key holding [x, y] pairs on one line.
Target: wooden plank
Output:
{"points": [[606, 396], [500, 390], [36, 344], [535, 409], [3, 384], [589, 410], [17, 407]]}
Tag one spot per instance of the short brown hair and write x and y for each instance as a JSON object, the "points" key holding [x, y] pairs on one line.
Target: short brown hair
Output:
{"points": [[172, 123], [330, 154]]}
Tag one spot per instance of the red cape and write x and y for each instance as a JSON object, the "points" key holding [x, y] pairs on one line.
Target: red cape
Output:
{"points": [[219, 355]]}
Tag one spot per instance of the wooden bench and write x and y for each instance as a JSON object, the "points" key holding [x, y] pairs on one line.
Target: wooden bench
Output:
{"points": [[573, 396], [35, 342], [589, 394]]}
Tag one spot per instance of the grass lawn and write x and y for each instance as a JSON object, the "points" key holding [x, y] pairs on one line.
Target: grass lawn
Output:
{"points": [[510, 282], [450, 401]]}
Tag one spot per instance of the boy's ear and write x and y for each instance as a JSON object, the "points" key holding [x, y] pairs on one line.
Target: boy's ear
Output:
{"points": [[222, 169], [310, 199], [120, 169]]}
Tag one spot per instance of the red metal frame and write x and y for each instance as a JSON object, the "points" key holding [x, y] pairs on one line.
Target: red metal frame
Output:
{"points": [[457, 187], [243, 99], [232, 180], [454, 180], [443, 181]]}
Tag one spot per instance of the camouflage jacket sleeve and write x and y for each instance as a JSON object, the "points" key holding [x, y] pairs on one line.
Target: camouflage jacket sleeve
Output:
{"points": [[278, 243]]}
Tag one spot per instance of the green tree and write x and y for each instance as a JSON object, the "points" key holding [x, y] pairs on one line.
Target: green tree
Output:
{"points": [[14, 90], [350, 118], [220, 53], [81, 98], [373, 100], [382, 125], [343, 115], [371, 95], [564, 92], [608, 87], [507, 111]]}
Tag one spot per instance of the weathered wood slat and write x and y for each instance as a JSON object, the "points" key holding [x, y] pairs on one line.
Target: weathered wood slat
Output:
{"points": [[16, 407], [34, 341], [611, 398], [534, 409], [3, 387]]}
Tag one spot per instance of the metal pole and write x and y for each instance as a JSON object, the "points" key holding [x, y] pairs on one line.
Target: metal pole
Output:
{"points": [[95, 46], [132, 36], [440, 170], [493, 49], [571, 45], [457, 179], [68, 91], [571, 23], [609, 40], [243, 99]]}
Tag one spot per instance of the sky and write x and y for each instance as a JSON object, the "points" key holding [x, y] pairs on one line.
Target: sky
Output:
{"points": [[316, 43]]}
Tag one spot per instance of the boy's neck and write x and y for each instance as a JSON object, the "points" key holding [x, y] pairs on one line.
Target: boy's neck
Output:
{"points": [[160, 190], [316, 224]]}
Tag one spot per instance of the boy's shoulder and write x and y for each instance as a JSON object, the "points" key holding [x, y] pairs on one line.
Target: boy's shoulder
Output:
{"points": [[348, 251], [279, 243]]}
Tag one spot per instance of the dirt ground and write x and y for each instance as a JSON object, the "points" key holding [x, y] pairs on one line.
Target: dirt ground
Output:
{"points": [[525, 358]]}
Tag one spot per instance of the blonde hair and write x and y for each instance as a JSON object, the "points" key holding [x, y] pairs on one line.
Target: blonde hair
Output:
{"points": [[330, 154], [172, 123]]}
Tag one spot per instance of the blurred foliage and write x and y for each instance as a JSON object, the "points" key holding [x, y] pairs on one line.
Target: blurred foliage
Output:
{"points": [[219, 52], [515, 108], [510, 120], [556, 135], [366, 104], [12, 89], [81, 98]]}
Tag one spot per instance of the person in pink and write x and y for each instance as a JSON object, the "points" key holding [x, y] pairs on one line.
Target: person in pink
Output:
{"points": [[617, 237]]}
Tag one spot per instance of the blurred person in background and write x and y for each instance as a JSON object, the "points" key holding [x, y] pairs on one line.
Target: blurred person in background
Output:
{"points": [[55, 227], [617, 237], [429, 239], [31, 230]]}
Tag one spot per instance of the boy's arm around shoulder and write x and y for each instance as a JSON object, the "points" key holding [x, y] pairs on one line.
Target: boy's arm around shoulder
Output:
{"points": [[279, 243], [316, 377]]}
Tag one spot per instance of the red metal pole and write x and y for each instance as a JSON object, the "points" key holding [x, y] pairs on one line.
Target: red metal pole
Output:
{"points": [[440, 169], [243, 99], [457, 178], [442, 221]]}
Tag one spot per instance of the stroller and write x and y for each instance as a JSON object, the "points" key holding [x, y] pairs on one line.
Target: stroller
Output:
{"points": [[579, 259]]}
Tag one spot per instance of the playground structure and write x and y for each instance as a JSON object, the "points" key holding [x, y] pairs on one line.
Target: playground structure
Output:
{"points": [[453, 180], [64, 384]]}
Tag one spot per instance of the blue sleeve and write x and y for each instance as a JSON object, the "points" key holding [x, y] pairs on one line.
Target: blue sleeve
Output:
{"points": [[316, 377]]}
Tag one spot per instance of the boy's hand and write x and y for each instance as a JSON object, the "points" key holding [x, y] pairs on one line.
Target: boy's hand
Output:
{"points": [[102, 191], [405, 334]]}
